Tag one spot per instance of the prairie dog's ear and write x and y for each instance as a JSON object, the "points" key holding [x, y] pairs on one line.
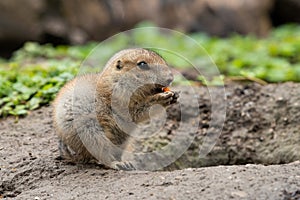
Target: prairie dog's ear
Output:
{"points": [[119, 65]]}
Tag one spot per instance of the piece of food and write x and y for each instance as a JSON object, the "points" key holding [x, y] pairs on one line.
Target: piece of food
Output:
{"points": [[166, 89]]}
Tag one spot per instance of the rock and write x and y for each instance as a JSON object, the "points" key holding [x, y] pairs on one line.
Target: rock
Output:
{"points": [[76, 22], [223, 18], [20, 22], [285, 11]]}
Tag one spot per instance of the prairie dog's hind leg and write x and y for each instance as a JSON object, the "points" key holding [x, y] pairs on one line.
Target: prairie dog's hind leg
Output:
{"points": [[64, 151], [99, 146]]}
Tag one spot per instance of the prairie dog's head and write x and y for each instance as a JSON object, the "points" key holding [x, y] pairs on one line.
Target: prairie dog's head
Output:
{"points": [[137, 70]]}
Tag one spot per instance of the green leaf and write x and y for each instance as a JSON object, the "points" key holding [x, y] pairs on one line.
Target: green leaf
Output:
{"points": [[35, 73]]}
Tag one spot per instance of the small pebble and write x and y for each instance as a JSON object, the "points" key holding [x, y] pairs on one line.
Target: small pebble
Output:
{"points": [[240, 194]]}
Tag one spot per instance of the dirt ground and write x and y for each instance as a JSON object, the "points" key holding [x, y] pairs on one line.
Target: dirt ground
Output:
{"points": [[261, 128]]}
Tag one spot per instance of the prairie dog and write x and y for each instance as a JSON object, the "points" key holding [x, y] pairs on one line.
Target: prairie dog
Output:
{"points": [[95, 113]]}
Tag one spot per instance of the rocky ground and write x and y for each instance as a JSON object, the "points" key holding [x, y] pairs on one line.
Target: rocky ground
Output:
{"points": [[261, 128]]}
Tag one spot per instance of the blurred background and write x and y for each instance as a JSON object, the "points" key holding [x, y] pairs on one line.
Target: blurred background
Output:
{"points": [[77, 22]]}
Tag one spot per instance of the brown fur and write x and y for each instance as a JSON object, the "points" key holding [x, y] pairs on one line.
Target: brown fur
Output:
{"points": [[94, 114]]}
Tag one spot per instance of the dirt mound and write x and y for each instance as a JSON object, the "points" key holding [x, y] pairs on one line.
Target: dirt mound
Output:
{"points": [[262, 126]]}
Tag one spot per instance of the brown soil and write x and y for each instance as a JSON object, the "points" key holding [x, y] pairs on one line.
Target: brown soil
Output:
{"points": [[262, 127]]}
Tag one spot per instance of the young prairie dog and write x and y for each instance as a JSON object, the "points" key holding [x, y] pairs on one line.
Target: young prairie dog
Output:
{"points": [[94, 114]]}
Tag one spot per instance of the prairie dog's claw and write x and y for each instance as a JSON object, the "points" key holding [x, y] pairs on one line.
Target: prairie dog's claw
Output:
{"points": [[126, 166]]}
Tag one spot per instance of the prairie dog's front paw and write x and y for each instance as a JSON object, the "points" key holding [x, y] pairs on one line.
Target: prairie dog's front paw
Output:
{"points": [[165, 98], [126, 166], [175, 97]]}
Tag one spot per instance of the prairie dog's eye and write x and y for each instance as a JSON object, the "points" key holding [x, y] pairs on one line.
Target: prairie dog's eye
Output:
{"points": [[143, 65]]}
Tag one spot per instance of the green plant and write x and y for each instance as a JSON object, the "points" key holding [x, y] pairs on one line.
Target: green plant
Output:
{"points": [[34, 75], [24, 88]]}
